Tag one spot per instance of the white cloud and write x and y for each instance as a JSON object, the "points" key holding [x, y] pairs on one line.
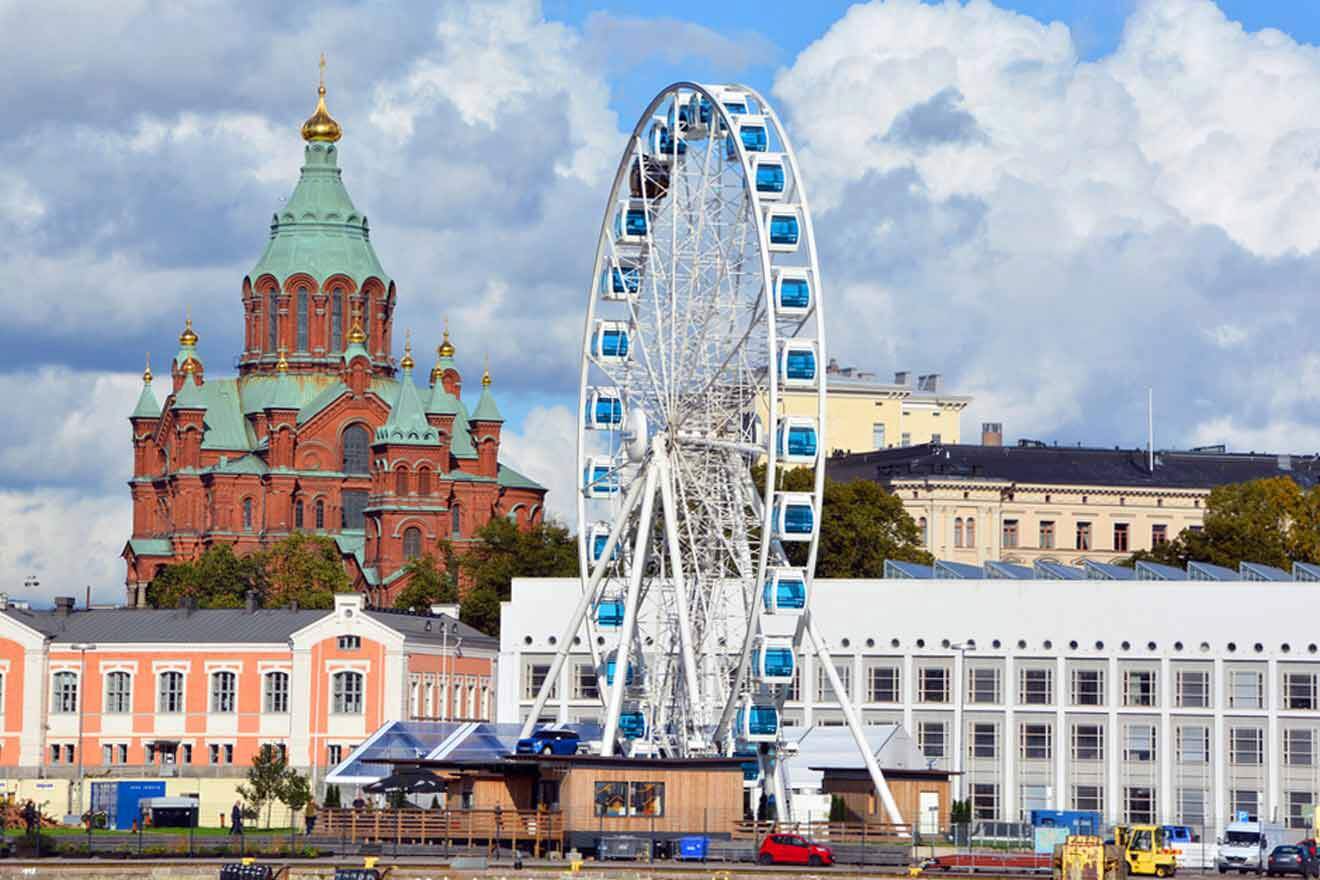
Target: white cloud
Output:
{"points": [[545, 449], [1058, 234], [66, 540]]}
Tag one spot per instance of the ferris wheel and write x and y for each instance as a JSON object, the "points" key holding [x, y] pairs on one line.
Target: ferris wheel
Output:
{"points": [[702, 359]]}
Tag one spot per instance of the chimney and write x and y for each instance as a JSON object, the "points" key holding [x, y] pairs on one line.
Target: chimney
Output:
{"points": [[250, 601], [903, 377], [63, 606], [447, 609], [992, 433]]}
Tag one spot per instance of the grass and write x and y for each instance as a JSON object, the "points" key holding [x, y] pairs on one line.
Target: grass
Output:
{"points": [[148, 832]]}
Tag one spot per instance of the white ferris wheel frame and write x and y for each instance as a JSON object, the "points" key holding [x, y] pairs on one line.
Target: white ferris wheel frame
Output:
{"points": [[655, 480]]}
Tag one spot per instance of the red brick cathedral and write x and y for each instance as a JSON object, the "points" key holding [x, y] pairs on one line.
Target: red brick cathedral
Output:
{"points": [[320, 431]]}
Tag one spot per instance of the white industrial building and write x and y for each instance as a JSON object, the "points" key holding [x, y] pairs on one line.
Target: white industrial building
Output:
{"points": [[1173, 701]]}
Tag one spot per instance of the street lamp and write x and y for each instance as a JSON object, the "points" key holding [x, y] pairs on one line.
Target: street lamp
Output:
{"points": [[82, 648]]}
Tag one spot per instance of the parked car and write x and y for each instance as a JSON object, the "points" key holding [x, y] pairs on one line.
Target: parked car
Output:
{"points": [[793, 849], [1291, 859], [549, 741]]}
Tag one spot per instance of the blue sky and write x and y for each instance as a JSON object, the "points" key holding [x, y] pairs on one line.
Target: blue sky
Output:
{"points": [[1054, 204]]}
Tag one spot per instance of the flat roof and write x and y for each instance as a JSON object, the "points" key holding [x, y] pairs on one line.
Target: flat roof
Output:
{"points": [[532, 761]]}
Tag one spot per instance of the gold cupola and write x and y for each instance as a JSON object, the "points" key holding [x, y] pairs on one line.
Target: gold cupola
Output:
{"points": [[407, 362], [188, 338], [321, 127], [446, 349]]}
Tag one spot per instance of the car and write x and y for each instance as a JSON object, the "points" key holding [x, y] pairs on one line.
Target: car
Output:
{"points": [[549, 741], [1291, 859], [793, 849]]}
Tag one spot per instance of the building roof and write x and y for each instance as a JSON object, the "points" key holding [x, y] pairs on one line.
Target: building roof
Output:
{"points": [[407, 423], [486, 410], [147, 406], [1076, 466], [428, 626], [510, 478]]}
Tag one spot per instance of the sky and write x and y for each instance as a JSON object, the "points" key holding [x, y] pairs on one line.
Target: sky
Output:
{"points": [[1054, 204]]}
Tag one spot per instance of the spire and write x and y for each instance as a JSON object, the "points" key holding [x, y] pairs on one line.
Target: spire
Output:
{"points": [[147, 407], [321, 127], [407, 363], [486, 410], [282, 365], [285, 393], [187, 359], [188, 338], [357, 338], [485, 376], [407, 422], [446, 348]]}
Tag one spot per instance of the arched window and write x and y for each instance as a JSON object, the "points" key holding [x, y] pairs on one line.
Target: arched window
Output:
{"points": [[275, 697], [971, 532], [957, 532], [356, 450], [347, 693], [455, 521], [922, 530], [353, 509], [224, 692], [412, 542], [170, 694], [272, 321], [303, 318], [320, 514], [337, 319], [401, 481], [247, 514], [423, 481], [64, 695]]}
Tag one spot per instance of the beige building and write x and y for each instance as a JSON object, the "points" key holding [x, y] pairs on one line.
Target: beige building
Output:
{"points": [[1032, 502], [866, 414]]}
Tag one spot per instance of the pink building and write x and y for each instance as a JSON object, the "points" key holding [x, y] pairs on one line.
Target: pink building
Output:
{"points": [[129, 692]]}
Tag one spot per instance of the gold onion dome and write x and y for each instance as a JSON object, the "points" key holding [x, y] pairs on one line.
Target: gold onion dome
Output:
{"points": [[146, 374], [446, 349], [357, 334], [282, 365], [407, 362], [485, 377], [188, 338], [321, 127]]}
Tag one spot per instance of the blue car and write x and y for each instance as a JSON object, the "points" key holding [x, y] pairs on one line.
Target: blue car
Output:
{"points": [[549, 741]]}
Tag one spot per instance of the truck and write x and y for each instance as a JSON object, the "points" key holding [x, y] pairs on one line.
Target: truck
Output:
{"points": [[1145, 850], [1246, 846]]}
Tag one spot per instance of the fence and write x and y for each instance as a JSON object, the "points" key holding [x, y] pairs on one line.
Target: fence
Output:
{"points": [[535, 831]]}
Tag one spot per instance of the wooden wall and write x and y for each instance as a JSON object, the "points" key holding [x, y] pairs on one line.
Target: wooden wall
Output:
{"points": [[862, 803], [695, 799]]}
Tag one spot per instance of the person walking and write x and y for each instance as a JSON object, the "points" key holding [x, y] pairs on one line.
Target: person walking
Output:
{"points": [[30, 816], [236, 819], [309, 815]]}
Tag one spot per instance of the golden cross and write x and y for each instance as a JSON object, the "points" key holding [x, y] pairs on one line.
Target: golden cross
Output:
{"points": [[322, 70]]}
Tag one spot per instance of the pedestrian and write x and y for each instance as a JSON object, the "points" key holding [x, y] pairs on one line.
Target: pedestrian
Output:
{"points": [[30, 815], [309, 815], [359, 803], [236, 819]]}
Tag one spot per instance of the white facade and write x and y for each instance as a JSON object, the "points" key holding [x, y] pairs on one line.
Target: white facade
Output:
{"points": [[1167, 701]]}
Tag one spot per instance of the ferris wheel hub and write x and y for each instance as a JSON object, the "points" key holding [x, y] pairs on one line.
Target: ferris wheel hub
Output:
{"points": [[636, 435]]}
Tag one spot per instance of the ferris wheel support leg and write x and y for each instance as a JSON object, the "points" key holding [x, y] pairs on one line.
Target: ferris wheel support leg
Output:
{"points": [[580, 612], [645, 522], [783, 810], [680, 592], [854, 723]]}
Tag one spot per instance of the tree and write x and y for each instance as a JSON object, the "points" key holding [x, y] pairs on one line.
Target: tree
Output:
{"points": [[503, 552], [861, 526], [427, 582], [332, 796], [303, 568], [217, 579], [265, 780], [295, 791]]}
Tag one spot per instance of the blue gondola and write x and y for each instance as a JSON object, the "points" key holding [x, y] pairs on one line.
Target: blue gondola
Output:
{"points": [[597, 538], [758, 722], [694, 112], [792, 292], [773, 662], [796, 440], [609, 613], [629, 676], [794, 516], [784, 231], [609, 341], [604, 410], [599, 478], [632, 725], [798, 364], [620, 280], [753, 137], [630, 224], [663, 142], [785, 591], [735, 103], [770, 179], [751, 766]]}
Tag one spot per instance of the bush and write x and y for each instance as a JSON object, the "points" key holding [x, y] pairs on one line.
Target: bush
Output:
{"points": [[331, 796]]}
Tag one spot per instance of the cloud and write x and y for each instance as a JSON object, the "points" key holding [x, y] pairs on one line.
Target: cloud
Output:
{"points": [[623, 42], [546, 447], [67, 540], [1058, 235]]}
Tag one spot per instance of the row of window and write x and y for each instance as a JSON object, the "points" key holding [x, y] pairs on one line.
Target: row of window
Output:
{"points": [[904, 438], [431, 697], [1139, 803], [303, 316], [1035, 742], [346, 686]]}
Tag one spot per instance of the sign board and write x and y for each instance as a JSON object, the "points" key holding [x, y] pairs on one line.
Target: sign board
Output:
{"points": [[357, 874], [245, 872]]}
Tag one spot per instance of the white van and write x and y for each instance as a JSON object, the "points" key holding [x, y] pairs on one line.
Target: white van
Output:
{"points": [[1246, 846]]}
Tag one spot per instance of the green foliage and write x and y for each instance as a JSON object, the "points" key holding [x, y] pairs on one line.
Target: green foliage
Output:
{"points": [[960, 812], [265, 781], [332, 796], [295, 790], [428, 582], [861, 526], [303, 568], [838, 810], [502, 552], [216, 579]]}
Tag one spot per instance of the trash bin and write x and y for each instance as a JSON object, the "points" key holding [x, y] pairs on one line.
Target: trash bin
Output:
{"points": [[692, 849], [663, 849]]}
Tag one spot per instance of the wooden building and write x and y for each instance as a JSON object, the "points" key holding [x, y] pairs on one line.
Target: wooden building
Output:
{"points": [[922, 795]]}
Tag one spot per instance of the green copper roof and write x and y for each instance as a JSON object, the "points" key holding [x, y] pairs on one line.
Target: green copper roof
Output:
{"points": [[486, 410], [285, 395], [514, 480], [147, 406], [186, 352], [190, 396], [461, 446], [247, 464], [318, 230], [152, 546], [355, 349], [442, 402], [407, 422]]}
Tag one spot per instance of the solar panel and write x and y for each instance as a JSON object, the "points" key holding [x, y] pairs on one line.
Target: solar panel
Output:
{"points": [[1056, 571], [907, 570], [1008, 571], [1205, 571], [1106, 571], [1305, 571], [958, 570], [1154, 571], [1255, 571]]}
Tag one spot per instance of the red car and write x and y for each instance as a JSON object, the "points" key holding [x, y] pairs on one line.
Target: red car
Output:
{"points": [[793, 849]]}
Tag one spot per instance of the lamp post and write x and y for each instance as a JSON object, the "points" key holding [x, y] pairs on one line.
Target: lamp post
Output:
{"points": [[82, 648]]}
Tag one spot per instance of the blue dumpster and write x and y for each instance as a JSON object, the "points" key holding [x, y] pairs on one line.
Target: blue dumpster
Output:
{"points": [[692, 849]]}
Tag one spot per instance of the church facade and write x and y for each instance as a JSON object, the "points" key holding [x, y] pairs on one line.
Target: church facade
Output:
{"points": [[321, 431]]}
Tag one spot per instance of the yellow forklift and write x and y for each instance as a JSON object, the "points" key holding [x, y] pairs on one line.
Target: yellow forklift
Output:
{"points": [[1145, 850], [1087, 857]]}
